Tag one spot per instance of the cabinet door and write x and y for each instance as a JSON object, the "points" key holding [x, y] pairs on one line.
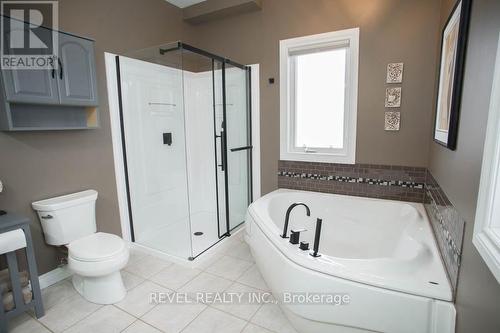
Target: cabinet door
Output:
{"points": [[76, 75], [30, 85]]}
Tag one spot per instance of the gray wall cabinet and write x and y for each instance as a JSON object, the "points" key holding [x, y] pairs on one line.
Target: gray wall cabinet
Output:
{"points": [[77, 80], [61, 98]]}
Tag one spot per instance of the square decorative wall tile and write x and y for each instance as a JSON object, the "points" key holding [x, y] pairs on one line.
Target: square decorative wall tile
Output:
{"points": [[392, 121], [393, 97], [395, 72]]}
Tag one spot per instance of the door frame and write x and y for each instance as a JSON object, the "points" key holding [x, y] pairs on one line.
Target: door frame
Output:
{"points": [[117, 143]]}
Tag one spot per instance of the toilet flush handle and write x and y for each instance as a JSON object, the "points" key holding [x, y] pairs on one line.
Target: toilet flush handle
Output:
{"points": [[47, 217]]}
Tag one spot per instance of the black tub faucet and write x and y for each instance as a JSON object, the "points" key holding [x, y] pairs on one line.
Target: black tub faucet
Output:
{"points": [[287, 216]]}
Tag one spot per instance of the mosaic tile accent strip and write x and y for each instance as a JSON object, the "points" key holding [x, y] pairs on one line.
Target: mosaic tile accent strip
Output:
{"points": [[448, 227], [359, 180], [365, 180]]}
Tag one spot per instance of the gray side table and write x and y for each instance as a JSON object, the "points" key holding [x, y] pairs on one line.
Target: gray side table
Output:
{"points": [[10, 222]]}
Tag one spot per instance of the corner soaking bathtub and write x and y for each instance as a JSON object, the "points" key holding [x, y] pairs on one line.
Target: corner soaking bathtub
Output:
{"points": [[380, 253]]}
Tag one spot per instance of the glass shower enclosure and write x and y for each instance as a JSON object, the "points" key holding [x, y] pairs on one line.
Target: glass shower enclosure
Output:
{"points": [[186, 132]]}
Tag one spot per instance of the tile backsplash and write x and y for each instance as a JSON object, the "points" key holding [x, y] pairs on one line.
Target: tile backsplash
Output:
{"points": [[366, 180], [402, 183], [448, 227]]}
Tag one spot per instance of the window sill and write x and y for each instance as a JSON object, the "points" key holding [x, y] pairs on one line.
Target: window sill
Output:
{"points": [[318, 157]]}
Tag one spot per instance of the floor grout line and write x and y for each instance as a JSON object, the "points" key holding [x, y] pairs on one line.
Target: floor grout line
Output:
{"points": [[132, 323], [191, 279], [38, 321], [206, 307], [131, 314], [85, 317], [142, 321]]}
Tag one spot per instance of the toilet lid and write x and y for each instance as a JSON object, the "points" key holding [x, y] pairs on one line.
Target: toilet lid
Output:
{"points": [[96, 247]]}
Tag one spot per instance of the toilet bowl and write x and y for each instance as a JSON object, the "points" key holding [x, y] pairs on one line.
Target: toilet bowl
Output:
{"points": [[94, 258], [96, 261]]}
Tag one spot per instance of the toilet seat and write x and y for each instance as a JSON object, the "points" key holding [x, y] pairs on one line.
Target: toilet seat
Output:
{"points": [[96, 247], [97, 254]]}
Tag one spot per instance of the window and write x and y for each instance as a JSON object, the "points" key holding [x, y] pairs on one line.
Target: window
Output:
{"points": [[487, 223], [318, 97]]}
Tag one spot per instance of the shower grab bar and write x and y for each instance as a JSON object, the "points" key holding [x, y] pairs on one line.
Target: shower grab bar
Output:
{"points": [[241, 148], [169, 104]]}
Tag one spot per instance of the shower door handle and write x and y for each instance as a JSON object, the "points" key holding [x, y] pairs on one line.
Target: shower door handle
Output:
{"points": [[241, 148], [223, 150]]}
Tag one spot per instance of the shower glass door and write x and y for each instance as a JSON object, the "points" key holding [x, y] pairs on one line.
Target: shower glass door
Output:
{"points": [[185, 116], [238, 142], [202, 147], [221, 139]]}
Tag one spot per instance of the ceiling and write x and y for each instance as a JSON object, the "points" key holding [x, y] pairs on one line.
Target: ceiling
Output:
{"points": [[184, 3]]}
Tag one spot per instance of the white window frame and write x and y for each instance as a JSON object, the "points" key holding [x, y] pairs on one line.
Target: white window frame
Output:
{"points": [[346, 155], [487, 222]]}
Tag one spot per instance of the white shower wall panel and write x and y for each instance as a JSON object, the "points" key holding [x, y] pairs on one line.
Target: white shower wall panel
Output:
{"points": [[200, 143], [152, 105]]}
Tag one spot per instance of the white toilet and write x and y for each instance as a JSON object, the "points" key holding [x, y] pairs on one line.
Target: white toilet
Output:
{"points": [[95, 258]]}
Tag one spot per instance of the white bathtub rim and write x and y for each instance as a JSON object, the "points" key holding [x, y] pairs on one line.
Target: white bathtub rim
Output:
{"points": [[440, 315], [346, 275], [293, 253]]}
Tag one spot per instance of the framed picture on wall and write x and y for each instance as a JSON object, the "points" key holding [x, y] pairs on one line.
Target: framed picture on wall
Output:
{"points": [[451, 73]]}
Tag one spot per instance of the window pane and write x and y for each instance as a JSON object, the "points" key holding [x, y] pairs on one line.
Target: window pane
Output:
{"points": [[320, 99]]}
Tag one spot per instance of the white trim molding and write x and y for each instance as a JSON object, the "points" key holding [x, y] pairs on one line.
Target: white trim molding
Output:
{"points": [[255, 91], [487, 223], [348, 38], [54, 276]]}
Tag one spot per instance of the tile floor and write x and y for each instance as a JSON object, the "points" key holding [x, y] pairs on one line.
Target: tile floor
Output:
{"points": [[230, 268]]}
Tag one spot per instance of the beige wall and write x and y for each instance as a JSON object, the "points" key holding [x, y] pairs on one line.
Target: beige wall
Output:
{"points": [[39, 165], [391, 31], [458, 172]]}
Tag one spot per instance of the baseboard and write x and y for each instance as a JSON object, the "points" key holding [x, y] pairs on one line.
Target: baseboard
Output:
{"points": [[54, 276]]}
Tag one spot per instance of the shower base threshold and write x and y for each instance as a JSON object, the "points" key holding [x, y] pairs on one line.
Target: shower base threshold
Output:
{"points": [[200, 260]]}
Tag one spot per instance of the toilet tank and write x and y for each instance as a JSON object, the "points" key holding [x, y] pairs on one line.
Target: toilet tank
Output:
{"points": [[68, 217]]}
